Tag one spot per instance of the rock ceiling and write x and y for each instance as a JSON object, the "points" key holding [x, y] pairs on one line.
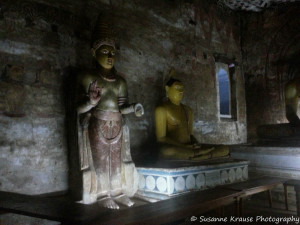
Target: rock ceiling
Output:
{"points": [[254, 5]]}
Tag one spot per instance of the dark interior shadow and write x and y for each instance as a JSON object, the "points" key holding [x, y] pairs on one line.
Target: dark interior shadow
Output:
{"points": [[75, 175]]}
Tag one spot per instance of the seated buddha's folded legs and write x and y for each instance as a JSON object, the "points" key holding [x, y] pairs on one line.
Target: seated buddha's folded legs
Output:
{"points": [[167, 151], [212, 151]]}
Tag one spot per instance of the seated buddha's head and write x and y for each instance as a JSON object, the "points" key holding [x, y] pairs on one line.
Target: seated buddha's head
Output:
{"points": [[174, 90]]}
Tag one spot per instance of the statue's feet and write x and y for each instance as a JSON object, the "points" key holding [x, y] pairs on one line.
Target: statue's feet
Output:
{"points": [[107, 202], [201, 157], [204, 151], [124, 200]]}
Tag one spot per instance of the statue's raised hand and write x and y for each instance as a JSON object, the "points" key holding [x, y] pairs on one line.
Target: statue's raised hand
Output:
{"points": [[138, 109], [94, 93]]}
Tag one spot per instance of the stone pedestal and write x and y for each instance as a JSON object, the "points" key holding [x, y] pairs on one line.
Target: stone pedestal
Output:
{"points": [[273, 159], [166, 179], [275, 131], [278, 158]]}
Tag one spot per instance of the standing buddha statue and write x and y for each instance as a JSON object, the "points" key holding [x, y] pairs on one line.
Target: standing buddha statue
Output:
{"points": [[103, 98]]}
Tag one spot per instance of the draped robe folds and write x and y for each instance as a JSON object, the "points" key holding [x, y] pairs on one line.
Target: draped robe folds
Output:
{"points": [[105, 135], [104, 144], [111, 134]]}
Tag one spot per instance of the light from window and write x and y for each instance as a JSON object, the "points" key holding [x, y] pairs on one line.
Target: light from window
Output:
{"points": [[224, 93]]}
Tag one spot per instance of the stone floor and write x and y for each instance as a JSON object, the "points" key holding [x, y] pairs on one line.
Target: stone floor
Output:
{"points": [[256, 205]]}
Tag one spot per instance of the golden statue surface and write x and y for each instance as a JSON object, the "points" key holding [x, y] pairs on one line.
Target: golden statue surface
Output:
{"points": [[174, 129]]}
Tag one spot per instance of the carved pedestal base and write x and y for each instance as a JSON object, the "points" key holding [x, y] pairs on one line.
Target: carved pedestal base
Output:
{"points": [[178, 177]]}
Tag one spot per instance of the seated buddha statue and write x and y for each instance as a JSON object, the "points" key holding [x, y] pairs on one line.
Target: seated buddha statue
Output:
{"points": [[292, 94], [174, 127], [285, 131]]}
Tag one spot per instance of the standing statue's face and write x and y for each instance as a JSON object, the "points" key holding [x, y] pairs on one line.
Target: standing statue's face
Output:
{"points": [[175, 92], [105, 56]]}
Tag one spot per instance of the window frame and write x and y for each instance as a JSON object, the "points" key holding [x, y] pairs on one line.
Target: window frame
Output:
{"points": [[230, 68], [218, 67]]}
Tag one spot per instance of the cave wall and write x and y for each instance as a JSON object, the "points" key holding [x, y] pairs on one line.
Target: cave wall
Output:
{"points": [[43, 45]]}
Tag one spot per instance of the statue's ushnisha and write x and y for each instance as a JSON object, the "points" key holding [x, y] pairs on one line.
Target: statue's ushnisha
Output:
{"points": [[103, 101]]}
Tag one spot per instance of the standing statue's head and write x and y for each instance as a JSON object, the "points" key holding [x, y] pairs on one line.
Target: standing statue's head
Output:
{"points": [[103, 44], [174, 90]]}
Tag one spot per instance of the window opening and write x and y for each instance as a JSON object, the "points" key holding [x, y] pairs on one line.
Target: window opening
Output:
{"points": [[224, 93]]}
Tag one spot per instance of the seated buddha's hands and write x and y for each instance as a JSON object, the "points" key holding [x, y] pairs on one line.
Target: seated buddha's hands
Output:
{"points": [[196, 146], [94, 93]]}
